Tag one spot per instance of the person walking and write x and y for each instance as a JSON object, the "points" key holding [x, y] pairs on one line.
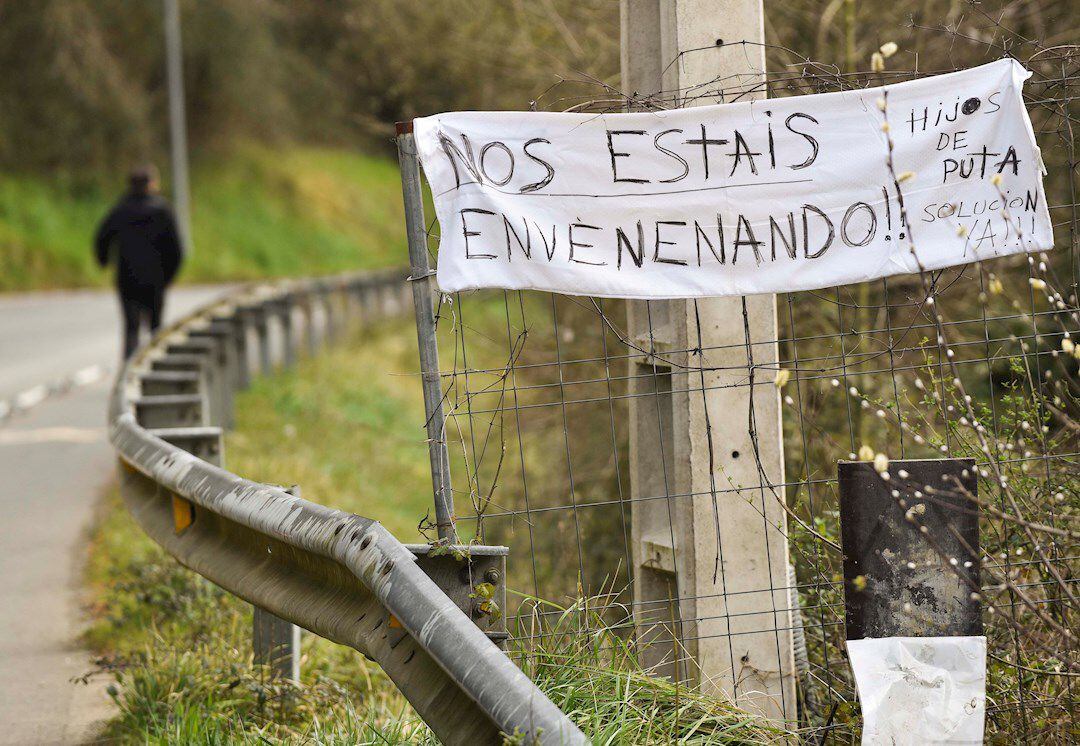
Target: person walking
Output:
{"points": [[140, 235]]}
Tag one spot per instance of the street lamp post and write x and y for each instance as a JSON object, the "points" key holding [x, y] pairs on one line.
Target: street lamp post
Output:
{"points": [[177, 123]]}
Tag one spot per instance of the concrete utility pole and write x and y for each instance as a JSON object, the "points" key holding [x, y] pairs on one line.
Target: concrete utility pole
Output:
{"points": [[177, 121], [713, 556]]}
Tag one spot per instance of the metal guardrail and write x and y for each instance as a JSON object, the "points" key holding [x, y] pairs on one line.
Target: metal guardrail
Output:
{"points": [[342, 576]]}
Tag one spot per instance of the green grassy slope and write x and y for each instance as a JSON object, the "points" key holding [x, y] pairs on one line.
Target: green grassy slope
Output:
{"points": [[260, 213], [347, 426]]}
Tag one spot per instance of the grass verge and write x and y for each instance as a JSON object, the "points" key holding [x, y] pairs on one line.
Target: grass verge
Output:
{"points": [[349, 422]]}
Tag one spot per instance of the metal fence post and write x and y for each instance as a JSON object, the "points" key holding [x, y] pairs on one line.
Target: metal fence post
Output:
{"points": [[712, 556], [423, 294]]}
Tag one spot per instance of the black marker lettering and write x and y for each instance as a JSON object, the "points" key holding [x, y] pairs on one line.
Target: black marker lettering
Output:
{"points": [[578, 245], [1010, 159], [550, 171], [621, 240], [467, 159], [483, 159], [548, 249], [790, 247], [704, 141], [526, 248], [659, 243], [617, 154], [806, 232], [699, 236], [742, 149], [673, 154], [772, 144], [468, 233], [814, 147], [750, 240], [870, 231]]}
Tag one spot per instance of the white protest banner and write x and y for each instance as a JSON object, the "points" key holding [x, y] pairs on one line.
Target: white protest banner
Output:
{"points": [[736, 199]]}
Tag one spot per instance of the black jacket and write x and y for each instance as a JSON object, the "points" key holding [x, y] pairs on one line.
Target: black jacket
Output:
{"points": [[148, 253]]}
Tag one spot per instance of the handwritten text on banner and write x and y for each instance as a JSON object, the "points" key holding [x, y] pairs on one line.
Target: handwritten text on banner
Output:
{"points": [[735, 199]]}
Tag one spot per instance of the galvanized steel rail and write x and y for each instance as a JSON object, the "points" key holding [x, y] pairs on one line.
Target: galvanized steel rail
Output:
{"points": [[342, 576]]}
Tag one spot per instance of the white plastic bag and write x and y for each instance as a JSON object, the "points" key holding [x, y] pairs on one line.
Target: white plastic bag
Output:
{"points": [[919, 690]]}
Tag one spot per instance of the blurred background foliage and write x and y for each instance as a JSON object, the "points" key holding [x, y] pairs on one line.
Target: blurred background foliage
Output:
{"points": [[83, 84]]}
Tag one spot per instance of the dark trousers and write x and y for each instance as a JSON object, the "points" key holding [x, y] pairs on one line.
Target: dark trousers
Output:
{"points": [[140, 308]]}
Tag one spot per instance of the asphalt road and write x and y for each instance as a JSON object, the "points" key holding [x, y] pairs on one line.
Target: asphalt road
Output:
{"points": [[55, 461]]}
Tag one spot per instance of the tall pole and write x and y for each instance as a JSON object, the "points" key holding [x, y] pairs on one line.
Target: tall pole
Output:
{"points": [[423, 288], [177, 121], [711, 557]]}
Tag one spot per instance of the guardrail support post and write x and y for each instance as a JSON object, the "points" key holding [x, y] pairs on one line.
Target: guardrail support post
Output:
{"points": [[239, 343], [276, 642], [292, 343], [170, 383], [356, 306], [262, 333], [712, 555], [177, 410], [186, 363], [239, 324], [330, 319], [366, 294], [222, 358], [283, 309], [311, 323], [423, 293], [217, 396]]}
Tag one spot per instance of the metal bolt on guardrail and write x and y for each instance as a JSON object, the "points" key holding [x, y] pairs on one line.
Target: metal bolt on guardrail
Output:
{"points": [[339, 575]]}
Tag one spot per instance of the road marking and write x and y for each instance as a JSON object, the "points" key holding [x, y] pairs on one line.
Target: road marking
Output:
{"points": [[88, 375], [32, 396], [35, 395], [52, 435]]}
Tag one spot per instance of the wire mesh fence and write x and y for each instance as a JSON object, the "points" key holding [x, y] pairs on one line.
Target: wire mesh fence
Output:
{"points": [[562, 412]]}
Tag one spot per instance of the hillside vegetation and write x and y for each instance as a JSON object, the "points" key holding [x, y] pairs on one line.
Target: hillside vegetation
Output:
{"points": [[260, 213]]}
